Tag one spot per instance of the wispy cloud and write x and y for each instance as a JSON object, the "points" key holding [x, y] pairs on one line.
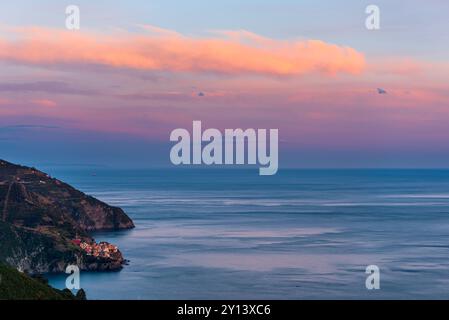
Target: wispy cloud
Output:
{"points": [[26, 127], [4, 101], [47, 103], [44, 86]]}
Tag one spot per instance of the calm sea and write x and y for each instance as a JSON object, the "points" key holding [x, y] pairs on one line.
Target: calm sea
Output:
{"points": [[302, 234]]}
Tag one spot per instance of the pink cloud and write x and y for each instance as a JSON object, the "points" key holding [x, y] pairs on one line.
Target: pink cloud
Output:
{"points": [[398, 66], [161, 50], [4, 102], [310, 109], [44, 103]]}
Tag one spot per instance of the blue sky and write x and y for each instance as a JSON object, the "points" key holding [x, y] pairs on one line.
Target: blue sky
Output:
{"points": [[325, 121]]}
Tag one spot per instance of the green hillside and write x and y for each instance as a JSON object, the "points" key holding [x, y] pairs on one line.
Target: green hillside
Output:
{"points": [[18, 286]]}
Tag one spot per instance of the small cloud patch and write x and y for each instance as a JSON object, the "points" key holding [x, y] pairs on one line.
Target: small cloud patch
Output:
{"points": [[44, 103]]}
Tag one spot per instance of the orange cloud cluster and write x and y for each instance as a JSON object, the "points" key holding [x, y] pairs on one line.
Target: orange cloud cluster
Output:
{"points": [[161, 50]]}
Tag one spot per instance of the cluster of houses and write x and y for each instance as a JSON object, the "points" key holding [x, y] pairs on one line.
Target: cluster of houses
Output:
{"points": [[102, 249]]}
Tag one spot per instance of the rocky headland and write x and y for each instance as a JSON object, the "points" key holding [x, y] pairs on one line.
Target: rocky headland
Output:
{"points": [[44, 221]]}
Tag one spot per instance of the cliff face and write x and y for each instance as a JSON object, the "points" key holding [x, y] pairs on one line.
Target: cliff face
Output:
{"points": [[31, 198], [40, 216], [45, 251]]}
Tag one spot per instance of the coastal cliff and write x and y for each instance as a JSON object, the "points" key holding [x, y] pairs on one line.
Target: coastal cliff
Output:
{"points": [[41, 216]]}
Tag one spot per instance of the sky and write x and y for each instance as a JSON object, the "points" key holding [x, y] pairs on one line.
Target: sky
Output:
{"points": [[110, 93]]}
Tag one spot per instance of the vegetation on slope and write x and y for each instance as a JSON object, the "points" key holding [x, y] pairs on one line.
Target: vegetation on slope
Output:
{"points": [[15, 285]]}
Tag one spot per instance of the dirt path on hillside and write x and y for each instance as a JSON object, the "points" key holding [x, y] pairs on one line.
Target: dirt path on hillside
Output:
{"points": [[5, 206]]}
